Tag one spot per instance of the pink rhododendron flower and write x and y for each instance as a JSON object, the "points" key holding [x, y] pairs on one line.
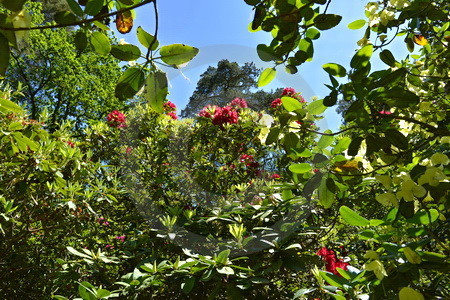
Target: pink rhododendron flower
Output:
{"points": [[224, 115], [385, 112], [331, 261], [169, 106], [128, 150], [239, 102], [275, 103], [109, 246], [121, 238], [116, 119], [102, 221]]}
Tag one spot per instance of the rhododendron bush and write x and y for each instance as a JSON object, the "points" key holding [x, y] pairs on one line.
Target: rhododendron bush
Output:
{"points": [[237, 203]]}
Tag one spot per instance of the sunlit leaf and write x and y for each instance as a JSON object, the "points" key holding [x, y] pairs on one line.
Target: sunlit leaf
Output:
{"points": [[177, 54], [266, 76], [351, 217], [124, 22], [420, 40]]}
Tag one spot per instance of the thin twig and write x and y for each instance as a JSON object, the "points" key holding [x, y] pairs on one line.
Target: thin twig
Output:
{"points": [[78, 23], [155, 37]]}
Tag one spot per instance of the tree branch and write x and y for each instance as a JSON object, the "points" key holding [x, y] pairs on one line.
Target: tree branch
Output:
{"points": [[81, 22]]}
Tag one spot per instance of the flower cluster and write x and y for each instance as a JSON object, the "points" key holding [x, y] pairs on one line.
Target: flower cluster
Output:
{"points": [[116, 119], [331, 260], [239, 103], [170, 109], [275, 103]]}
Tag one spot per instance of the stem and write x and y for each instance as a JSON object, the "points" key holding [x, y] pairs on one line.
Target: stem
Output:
{"points": [[155, 7]]}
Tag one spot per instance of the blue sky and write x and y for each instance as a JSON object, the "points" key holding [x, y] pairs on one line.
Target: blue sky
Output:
{"points": [[219, 29]]}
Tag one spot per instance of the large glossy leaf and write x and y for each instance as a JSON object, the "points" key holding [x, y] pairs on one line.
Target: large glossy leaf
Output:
{"points": [[357, 24], [387, 57], [291, 104], [177, 54], [125, 52], [351, 217], [300, 168], [156, 90], [397, 138], [266, 76], [362, 57], [13, 5], [131, 81], [7, 106], [335, 69], [398, 97], [327, 21], [100, 43], [316, 107], [146, 39], [93, 7]]}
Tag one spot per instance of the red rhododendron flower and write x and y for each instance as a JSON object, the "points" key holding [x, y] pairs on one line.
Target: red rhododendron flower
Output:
{"points": [[288, 92], [169, 106], [274, 176], [208, 111], [71, 144], [172, 115], [331, 261], [239, 102], [224, 115], [275, 103], [116, 119]]}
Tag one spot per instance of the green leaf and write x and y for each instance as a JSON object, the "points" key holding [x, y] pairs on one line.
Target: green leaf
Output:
{"points": [[291, 104], [267, 76], [316, 107], [424, 217], [325, 140], [312, 33], [387, 57], [326, 197], [300, 168], [265, 53], [332, 279], [100, 43], [13, 5], [188, 285], [75, 7], [335, 69], [125, 52], [327, 21], [93, 7], [398, 97], [102, 293], [9, 106], [177, 54], [351, 217], [408, 293], [222, 257], [77, 253], [64, 17], [156, 90], [362, 57], [146, 39], [272, 137], [226, 270], [353, 148], [397, 139], [20, 138], [131, 81], [356, 24], [80, 40], [4, 54], [331, 99], [15, 126], [342, 145]]}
